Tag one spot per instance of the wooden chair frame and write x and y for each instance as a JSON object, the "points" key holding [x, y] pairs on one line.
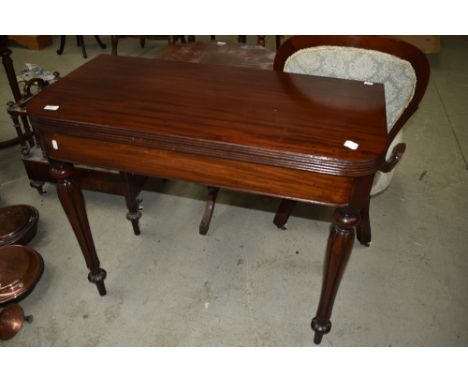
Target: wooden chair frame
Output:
{"points": [[389, 45]]}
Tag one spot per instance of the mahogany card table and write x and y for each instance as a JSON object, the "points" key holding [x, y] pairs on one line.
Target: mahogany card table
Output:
{"points": [[299, 137]]}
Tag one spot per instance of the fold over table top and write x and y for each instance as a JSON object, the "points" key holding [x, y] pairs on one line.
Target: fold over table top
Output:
{"points": [[282, 119]]}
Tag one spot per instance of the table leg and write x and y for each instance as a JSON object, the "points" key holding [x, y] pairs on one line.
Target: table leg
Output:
{"points": [[24, 147], [81, 42], [208, 213], [38, 185], [62, 45], [131, 186], [71, 197], [114, 43], [261, 40], [284, 211], [340, 244], [363, 230], [101, 44]]}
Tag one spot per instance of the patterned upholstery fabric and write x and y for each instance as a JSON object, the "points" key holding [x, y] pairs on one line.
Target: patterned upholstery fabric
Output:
{"points": [[397, 75]]}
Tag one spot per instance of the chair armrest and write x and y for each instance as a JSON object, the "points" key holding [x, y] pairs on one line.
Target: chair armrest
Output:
{"points": [[391, 162]]}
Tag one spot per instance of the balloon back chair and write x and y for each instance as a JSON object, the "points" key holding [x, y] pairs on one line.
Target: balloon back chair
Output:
{"points": [[400, 66]]}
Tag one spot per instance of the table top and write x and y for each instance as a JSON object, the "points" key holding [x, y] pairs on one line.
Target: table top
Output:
{"points": [[288, 120]]}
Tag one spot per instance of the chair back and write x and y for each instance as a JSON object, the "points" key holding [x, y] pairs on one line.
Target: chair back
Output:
{"points": [[400, 66]]}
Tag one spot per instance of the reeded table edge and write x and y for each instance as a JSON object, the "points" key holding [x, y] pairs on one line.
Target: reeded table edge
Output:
{"points": [[255, 154]]}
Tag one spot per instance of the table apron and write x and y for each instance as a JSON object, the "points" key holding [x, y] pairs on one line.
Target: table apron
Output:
{"points": [[223, 173]]}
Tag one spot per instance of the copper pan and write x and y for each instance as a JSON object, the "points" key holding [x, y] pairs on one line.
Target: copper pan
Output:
{"points": [[20, 270], [18, 224], [11, 321]]}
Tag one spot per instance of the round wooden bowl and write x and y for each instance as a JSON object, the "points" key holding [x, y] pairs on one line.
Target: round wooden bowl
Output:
{"points": [[18, 224], [20, 270]]}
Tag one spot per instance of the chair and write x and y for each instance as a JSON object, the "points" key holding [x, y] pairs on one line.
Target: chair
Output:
{"points": [[220, 53], [401, 67]]}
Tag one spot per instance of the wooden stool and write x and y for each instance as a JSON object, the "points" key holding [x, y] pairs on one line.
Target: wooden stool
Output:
{"points": [[18, 224]]}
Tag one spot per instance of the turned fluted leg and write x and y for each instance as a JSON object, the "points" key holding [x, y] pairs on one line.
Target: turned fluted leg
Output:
{"points": [[209, 208], [340, 244], [71, 197]]}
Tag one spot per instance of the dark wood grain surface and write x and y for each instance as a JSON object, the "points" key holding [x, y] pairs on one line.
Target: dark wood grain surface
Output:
{"points": [[290, 120]]}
